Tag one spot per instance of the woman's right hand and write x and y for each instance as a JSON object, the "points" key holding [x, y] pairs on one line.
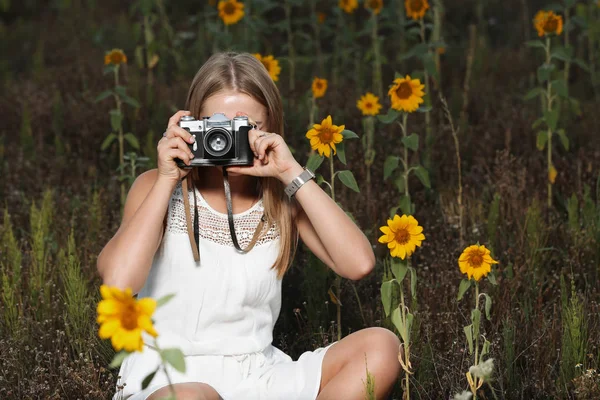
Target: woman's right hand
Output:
{"points": [[174, 145]]}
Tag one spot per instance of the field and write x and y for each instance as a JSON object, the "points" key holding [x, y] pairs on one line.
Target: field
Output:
{"points": [[501, 149]]}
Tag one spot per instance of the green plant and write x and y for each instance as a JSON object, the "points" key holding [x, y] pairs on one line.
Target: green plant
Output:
{"points": [[574, 337]]}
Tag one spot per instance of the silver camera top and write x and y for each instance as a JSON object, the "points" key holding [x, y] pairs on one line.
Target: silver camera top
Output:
{"points": [[216, 120]]}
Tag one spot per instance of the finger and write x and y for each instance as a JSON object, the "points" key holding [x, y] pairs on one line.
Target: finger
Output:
{"points": [[264, 143], [174, 120], [250, 120], [178, 143], [176, 130], [180, 154]]}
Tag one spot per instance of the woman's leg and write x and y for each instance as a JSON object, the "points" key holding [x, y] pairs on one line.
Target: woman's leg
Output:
{"points": [[344, 371], [187, 391]]}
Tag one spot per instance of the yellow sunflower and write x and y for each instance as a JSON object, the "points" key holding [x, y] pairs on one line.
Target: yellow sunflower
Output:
{"points": [[546, 23], [230, 11], [115, 56], [476, 262], [324, 136], [122, 318], [402, 235], [271, 64], [369, 104], [348, 5], [416, 8], [374, 5], [552, 173], [406, 94], [319, 87]]}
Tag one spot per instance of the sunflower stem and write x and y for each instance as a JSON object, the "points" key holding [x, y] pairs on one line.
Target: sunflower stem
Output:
{"points": [[291, 48], [428, 133], [407, 336], [377, 80], [120, 137], [164, 366], [405, 163], [549, 108], [476, 331], [338, 279]]}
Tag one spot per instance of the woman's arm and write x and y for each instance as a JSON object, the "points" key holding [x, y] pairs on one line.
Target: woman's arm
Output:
{"points": [[328, 232], [126, 259]]}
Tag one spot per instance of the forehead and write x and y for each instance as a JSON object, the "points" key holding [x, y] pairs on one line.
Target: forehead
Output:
{"points": [[230, 102]]}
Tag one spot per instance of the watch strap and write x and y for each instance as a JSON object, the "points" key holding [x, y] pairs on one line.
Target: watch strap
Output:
{"points": [[297, 182]]}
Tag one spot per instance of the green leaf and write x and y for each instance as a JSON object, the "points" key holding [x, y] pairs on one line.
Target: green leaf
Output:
{"points": [[563, 138], [423, 176], [390, 117], [115, 119], [107, 141], [485, 349], [462, 288], [561, 54], [492, 278], [347, 179], [398, 323], [423, 109], [314, 161], [174, 356], [418, 50], [109, 69], [544, 72], [131, 101], [412, 141], [389, 166], [537, 122], [399, 269], [341, 152], [118, 359], [399, 182], [533, 93], [164, 299], [429, 64], [476, 318], [535, 43], [469, 334], [542, 138], [386, 296], [551, 118], [132, 140], [103, 95], [348, 134], [560, 87], [581, 64], [148, 379], [413, 282], [406, 205], [488, 306]]}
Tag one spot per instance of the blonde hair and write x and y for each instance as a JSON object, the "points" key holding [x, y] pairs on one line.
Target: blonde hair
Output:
{"points": [[243, 73]]}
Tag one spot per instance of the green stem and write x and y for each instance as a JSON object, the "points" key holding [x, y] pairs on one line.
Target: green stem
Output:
{"points": [[406, 345], [405, 161], [164, 366], [428, 132], [338, 279], [549, 108], [362, 314], [377, 79], [120, 138], [291, 49], [476, 331]]}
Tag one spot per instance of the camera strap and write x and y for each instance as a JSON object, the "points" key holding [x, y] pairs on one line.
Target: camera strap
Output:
{"points": [[193, 227]]}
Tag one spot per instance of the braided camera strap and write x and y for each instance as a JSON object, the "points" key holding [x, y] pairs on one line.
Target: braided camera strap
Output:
{"points": [[192, 228]]}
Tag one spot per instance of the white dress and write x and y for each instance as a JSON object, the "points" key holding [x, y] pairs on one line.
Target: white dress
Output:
{"points": [[223, 313]]}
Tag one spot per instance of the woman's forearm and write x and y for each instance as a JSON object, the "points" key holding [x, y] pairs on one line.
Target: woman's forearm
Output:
{"points": [[345, 243], [127, 258]]}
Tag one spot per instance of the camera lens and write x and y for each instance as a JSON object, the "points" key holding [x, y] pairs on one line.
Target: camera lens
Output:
{"points": [[217, 142]]}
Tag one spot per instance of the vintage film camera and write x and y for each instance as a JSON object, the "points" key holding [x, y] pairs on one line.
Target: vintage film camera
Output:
{"points": [[219, 141]]}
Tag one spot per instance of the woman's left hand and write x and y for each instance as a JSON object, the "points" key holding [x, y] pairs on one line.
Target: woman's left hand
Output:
{"points": [[272, 156]]}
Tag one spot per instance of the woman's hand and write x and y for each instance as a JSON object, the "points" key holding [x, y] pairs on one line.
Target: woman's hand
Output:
{"points": [[272, 157], [173, 145]]}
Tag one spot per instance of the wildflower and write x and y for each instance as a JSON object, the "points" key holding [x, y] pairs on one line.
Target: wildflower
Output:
{"points": [[416, 8], [552, 173], [369, 104], [319, 87], [546, 23], [476, 262], [230, 11], [348, 5], [115, 56], [123, 318], [406, 94], [374, 5], [271, 64], [483, 370], [321, 17], [324, 136], [402, 235]]}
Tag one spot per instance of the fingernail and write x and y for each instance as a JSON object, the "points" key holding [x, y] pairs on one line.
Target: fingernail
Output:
{"points": [[192, 155], [192, 140], [260, 157]]}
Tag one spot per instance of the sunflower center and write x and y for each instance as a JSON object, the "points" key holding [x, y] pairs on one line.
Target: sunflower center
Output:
{"points": [[129, 317], [373, 3], [319, 85], [416, 5], [476, 259], [404, 91], [229, 9], [326, 136], [266, 64], [115, 58], [551, 25], [369, 105], [402, 236]]}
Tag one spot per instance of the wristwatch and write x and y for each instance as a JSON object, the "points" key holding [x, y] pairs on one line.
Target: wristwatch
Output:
{"points": [[298, 181]]}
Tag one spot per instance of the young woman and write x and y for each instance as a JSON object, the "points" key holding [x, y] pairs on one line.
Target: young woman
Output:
{"points": [[226, 304]]}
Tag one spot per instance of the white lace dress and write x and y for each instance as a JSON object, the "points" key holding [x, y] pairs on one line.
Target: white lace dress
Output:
{"points": [[222, 315]]}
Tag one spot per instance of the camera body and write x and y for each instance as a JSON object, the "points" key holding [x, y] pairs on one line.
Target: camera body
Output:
{"points": [[218, 141]]}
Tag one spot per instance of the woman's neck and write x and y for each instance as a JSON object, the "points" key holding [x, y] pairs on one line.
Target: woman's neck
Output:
{"points": [[243, 186]]}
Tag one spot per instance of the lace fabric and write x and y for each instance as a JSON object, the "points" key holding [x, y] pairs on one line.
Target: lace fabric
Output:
{"points": [[214, 225]]}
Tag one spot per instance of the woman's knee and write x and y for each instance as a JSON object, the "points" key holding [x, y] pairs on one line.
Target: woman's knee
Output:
{"points": [[188, 391], [382, 348]]}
